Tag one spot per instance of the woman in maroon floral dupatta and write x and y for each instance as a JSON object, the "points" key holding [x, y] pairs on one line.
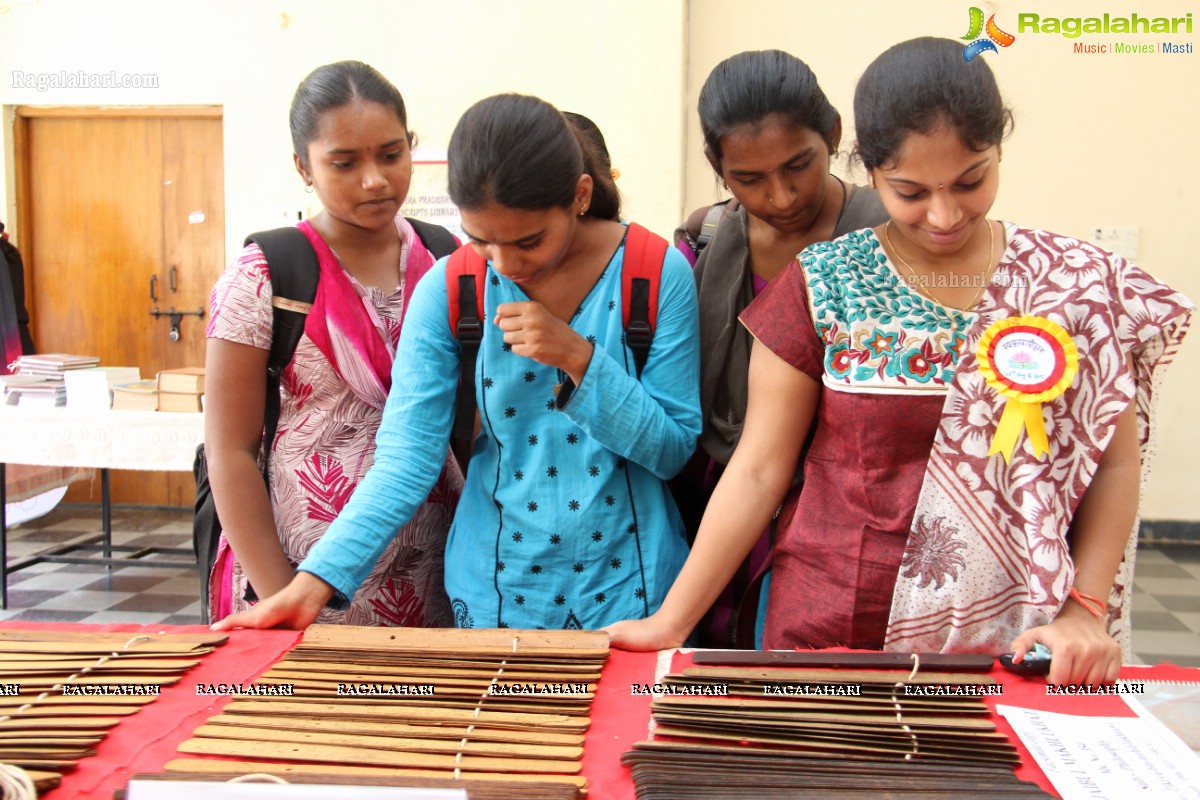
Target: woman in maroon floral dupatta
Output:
{"points": [[924, 523]]}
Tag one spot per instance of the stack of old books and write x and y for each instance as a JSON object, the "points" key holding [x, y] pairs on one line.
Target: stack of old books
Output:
{"points": [[135, 396], [38, 379], [181, 389]]}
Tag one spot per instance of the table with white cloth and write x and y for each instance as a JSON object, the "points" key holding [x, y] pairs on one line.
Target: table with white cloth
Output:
{"points": [[99, 439]]}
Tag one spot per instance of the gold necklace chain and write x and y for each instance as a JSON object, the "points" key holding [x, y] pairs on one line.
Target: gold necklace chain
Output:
{"points": [[917, 278]]}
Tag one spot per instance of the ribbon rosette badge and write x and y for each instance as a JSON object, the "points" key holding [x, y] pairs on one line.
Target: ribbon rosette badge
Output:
{"points": [[1028, 360]]}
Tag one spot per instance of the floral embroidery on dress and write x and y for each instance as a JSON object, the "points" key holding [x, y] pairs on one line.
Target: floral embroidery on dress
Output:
{"points": [[877, 330], [932, 554], [462, 614]]}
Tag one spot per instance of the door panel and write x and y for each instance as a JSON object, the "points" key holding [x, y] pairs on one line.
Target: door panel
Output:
{"points": [[109, 205], [193, 221]]}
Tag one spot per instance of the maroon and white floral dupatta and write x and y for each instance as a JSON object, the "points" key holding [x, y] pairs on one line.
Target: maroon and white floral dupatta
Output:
{"points": [[987, 556]]}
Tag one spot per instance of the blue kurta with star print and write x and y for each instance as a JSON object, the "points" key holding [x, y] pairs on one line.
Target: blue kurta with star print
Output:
{"points": [[565, 520]]}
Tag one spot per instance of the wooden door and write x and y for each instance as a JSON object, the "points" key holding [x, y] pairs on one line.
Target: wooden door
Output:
{"points": [[123, 216]]}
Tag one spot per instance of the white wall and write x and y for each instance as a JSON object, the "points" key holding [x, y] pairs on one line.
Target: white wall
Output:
{"points": [[1100, 140], [617, 61]]}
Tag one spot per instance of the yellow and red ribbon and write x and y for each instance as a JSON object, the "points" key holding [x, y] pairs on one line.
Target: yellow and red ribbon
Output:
{"points": [[1028, 360]]}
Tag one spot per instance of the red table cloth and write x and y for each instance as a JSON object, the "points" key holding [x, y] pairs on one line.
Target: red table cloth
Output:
{"points": [[148, 739]]}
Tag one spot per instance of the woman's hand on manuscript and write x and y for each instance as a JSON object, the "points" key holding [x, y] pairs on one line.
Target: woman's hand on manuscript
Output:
{"points": [[651, 633], [1083, 650], [295, 606]]}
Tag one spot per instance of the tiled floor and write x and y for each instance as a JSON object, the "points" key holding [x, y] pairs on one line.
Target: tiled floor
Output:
{"points": [[86, 593], [1166, 606]]}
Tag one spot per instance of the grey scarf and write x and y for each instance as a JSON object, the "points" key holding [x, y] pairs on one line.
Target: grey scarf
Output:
{"points": [[725, 285]]}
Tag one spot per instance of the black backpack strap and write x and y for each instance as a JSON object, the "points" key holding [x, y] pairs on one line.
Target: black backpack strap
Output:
{"points": [[294, 273], [700, 228], [708, 228], [439, 241]]}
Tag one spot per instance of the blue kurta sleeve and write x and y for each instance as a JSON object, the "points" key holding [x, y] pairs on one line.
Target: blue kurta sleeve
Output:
{"points": [[653, 422], [410, 446]]}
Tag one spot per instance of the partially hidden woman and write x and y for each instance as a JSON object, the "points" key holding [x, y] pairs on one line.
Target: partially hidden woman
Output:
{"points": [[353, 149], [565, 519], [770, 135], [925, 523]]}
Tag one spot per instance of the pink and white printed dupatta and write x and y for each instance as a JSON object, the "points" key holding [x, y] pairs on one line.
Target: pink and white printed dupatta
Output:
{"points": [[987, 556], [345, 325]]}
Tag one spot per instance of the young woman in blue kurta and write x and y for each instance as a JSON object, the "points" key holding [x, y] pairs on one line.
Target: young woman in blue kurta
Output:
{"points": [[565, 521]]}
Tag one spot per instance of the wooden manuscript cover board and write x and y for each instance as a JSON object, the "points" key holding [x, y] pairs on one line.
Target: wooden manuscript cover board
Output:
{"points": [[466, 728]]}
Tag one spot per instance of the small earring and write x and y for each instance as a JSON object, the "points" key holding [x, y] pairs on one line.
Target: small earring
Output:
{"points": [[308, 187], [583, 211]]}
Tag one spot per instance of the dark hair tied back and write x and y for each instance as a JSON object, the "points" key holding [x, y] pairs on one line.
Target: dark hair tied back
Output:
{"points": [[746, 88], [520, 152], [333, 86], [915, 86]]}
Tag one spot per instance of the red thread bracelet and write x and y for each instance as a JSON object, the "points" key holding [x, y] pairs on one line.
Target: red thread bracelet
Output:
{"points": [[1093, 605]]}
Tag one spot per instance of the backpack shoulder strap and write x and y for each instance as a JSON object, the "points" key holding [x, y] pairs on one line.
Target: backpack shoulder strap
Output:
{"points": [[439, 241], [465, 274], [294, 273], [701, 228], [641, 274]]}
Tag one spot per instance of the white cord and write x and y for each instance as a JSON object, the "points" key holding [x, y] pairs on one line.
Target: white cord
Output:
{"points": [[257, 777], [15, 784]]}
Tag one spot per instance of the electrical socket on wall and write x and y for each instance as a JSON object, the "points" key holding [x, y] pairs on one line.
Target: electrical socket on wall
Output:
{"points": [[1122, 241]]}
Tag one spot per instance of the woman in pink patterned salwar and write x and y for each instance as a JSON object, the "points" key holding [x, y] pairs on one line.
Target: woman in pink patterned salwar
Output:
{"points": [[924, 523], [353, 148]]}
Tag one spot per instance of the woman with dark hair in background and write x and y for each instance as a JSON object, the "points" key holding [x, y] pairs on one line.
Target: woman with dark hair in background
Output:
{"points": [[770, 135], [353, 149], [591, 134], [565, 519], [15, 340], [939, 511]]}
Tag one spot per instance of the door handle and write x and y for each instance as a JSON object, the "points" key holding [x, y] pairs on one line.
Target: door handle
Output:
{"points": [[154, 288], [171, 275]]}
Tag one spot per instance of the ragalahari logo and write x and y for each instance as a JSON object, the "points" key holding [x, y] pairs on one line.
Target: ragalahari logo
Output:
{"points": [[994, 37]]}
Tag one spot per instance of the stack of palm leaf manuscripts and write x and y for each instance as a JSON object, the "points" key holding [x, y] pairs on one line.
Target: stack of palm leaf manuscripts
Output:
{"points": [[502, 712], [787, 732], [61, 691]]}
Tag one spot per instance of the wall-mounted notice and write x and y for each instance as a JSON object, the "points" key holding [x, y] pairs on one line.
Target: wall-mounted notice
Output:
{"points": [[428, 198]]}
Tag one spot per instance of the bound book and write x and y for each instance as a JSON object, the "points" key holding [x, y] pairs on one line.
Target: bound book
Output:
{"points": [[179, 401], [53, 363], [187, 380], [136, 396], [25, 389]]}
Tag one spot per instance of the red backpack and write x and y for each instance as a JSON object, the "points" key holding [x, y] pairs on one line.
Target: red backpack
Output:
{"points": [[641, 273]]}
